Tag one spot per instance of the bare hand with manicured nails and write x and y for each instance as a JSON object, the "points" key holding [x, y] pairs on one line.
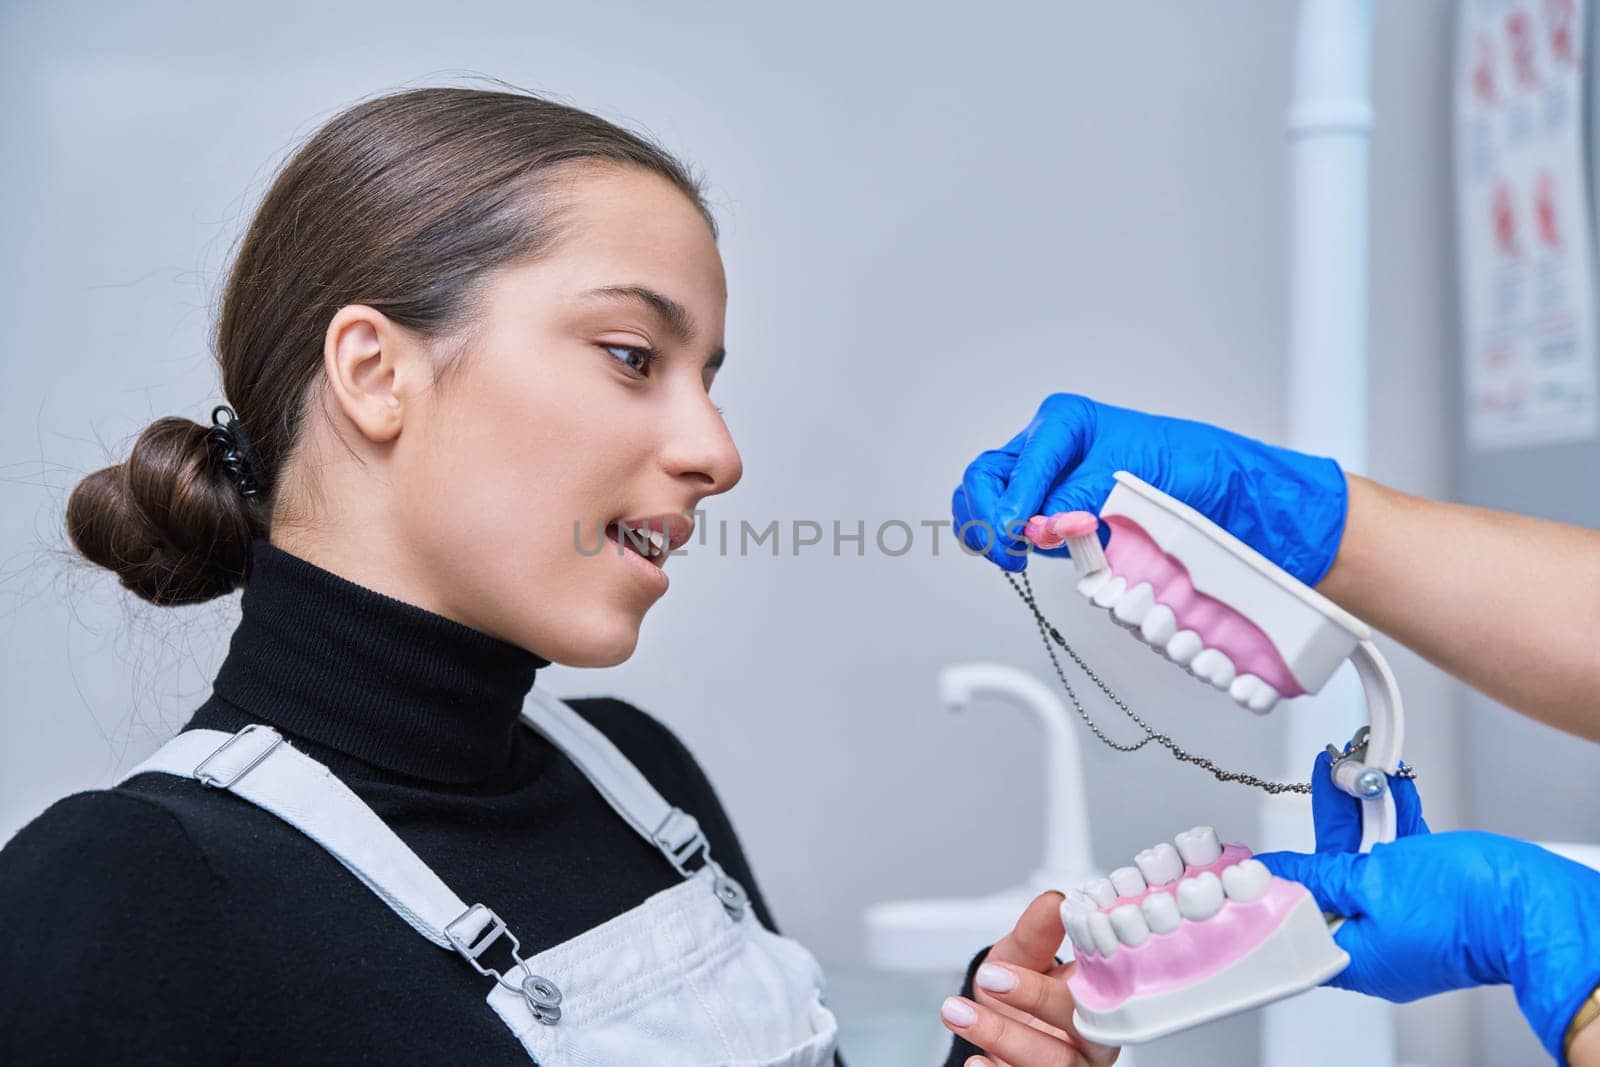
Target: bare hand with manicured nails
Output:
{"points": [[1022, 1015]]}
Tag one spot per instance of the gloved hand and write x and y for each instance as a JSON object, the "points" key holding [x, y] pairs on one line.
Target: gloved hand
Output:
{"points": [[1288, 506], [1433, 912]]}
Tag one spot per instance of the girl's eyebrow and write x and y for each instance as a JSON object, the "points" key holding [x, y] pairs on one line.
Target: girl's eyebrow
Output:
{"points": [[671, 314]]}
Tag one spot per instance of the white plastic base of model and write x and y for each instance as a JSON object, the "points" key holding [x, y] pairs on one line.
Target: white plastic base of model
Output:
{"points": [[1312, 633], [1299, 955]]}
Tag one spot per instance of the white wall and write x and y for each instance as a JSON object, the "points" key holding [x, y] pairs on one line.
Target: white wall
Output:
{"points": [[934, 215]]}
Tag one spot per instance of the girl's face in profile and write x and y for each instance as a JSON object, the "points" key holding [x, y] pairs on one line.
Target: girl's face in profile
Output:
{"points": [[580, 401]]}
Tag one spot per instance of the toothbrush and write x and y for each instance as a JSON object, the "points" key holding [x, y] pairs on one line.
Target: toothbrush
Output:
{"points": [[1196, 929]]}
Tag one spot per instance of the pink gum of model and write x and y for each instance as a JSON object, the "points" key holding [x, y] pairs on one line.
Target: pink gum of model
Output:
{"points": [[1134, 557], [1192, 952]]}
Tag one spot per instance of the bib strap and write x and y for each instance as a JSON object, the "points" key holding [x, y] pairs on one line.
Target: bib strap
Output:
{"points": [[672, 830], [259, 765]]}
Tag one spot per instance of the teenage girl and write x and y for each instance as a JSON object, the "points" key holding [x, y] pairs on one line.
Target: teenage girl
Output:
{"points": [[466, 337], [467, 346]]}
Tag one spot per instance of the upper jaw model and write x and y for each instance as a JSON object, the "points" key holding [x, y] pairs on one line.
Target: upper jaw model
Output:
{"points": [[1195, 929]]}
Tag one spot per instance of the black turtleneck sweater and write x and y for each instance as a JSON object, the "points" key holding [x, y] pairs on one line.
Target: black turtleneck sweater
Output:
{"points": [[164, 922]]}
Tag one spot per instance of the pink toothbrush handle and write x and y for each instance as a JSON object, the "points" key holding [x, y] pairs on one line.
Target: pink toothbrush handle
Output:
{"points": [[1078, 530]]}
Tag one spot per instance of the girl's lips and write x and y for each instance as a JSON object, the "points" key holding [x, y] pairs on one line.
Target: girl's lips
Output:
{"points": [[668, 530], [647, 571], [676, 526]]}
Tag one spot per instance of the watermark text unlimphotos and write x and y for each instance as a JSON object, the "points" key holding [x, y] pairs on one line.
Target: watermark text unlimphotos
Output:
{"points": [[776, 537]]}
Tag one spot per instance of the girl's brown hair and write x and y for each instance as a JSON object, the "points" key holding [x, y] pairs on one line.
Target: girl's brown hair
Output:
{"points": [[403, 203]]}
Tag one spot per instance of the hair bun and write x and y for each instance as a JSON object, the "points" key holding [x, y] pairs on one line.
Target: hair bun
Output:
{"points": [[171, 526]]}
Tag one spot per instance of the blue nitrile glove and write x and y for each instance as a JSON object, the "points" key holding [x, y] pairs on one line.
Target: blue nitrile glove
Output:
{"points": [[1288, 506], [1433, 912]]}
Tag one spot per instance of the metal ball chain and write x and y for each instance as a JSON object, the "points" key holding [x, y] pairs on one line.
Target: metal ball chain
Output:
{"points": [[1049, 633]]}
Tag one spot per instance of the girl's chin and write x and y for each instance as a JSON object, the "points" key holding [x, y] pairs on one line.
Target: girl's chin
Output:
{"points": [[601, 647]]}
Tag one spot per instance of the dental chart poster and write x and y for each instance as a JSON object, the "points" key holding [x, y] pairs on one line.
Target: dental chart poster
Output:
{"points": [[1523, 213]]}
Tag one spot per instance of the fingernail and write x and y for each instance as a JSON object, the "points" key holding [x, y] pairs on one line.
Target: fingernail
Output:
{"points": [[957, 1012], [996, 979]]}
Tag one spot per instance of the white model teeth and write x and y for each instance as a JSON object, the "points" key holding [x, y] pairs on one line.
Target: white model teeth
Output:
{"points": [[658, 542], [1200, 897], [1214, 667], [1246, 880], [1199, 847], [1184, 647], [1159, 626], [1243, 689], [1134, 605], [1160, 864], [1251, 692], [1127, 881], [1078, 901], [1127, 922], [1100, 932], [1092, 583], [1096, 922], [1101, 891], [1108, 595], [1201, 665], [1078, 931], [1265, 700], [1075, 912], [1161, 912]]}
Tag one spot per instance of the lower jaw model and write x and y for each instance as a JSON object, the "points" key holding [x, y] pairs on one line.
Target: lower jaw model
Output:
{"points": [[1189, 934], [1196, 930]]}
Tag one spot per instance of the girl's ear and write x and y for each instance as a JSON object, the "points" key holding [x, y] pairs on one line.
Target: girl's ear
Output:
{"points": [[370, 364]]}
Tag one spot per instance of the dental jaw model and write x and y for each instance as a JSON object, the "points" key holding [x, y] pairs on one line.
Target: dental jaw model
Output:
{"points": [[1195, 929], [1190, 934]]}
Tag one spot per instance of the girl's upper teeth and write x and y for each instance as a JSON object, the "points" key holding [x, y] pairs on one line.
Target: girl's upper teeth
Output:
{"points": [[644, 540]]}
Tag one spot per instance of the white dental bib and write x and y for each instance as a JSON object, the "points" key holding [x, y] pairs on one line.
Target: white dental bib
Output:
{"points": [[689, 978]]}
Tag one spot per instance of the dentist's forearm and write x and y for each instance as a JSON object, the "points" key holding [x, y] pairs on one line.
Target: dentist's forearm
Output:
{"points": [[1585, 1048], [1507, 603]]}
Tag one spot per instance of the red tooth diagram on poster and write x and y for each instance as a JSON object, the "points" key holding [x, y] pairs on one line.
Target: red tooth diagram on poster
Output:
{"points": [[1525, 238]]}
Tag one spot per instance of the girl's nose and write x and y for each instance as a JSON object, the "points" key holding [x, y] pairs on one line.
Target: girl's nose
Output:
{"points": [[700, 448]]}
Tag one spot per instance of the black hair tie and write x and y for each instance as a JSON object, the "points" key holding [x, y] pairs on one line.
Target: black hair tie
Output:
{"points": [[232, 452]]}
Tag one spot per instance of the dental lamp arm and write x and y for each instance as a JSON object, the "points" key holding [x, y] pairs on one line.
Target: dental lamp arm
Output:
{"points": [[1504, 602], [1429, 912]]}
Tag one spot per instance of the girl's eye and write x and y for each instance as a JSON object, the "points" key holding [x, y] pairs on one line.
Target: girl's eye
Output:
{"points": [[634, 357]]}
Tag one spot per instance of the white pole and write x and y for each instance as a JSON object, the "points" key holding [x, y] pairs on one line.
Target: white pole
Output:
{"points": [[1065, 856], [1329, 123]]}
